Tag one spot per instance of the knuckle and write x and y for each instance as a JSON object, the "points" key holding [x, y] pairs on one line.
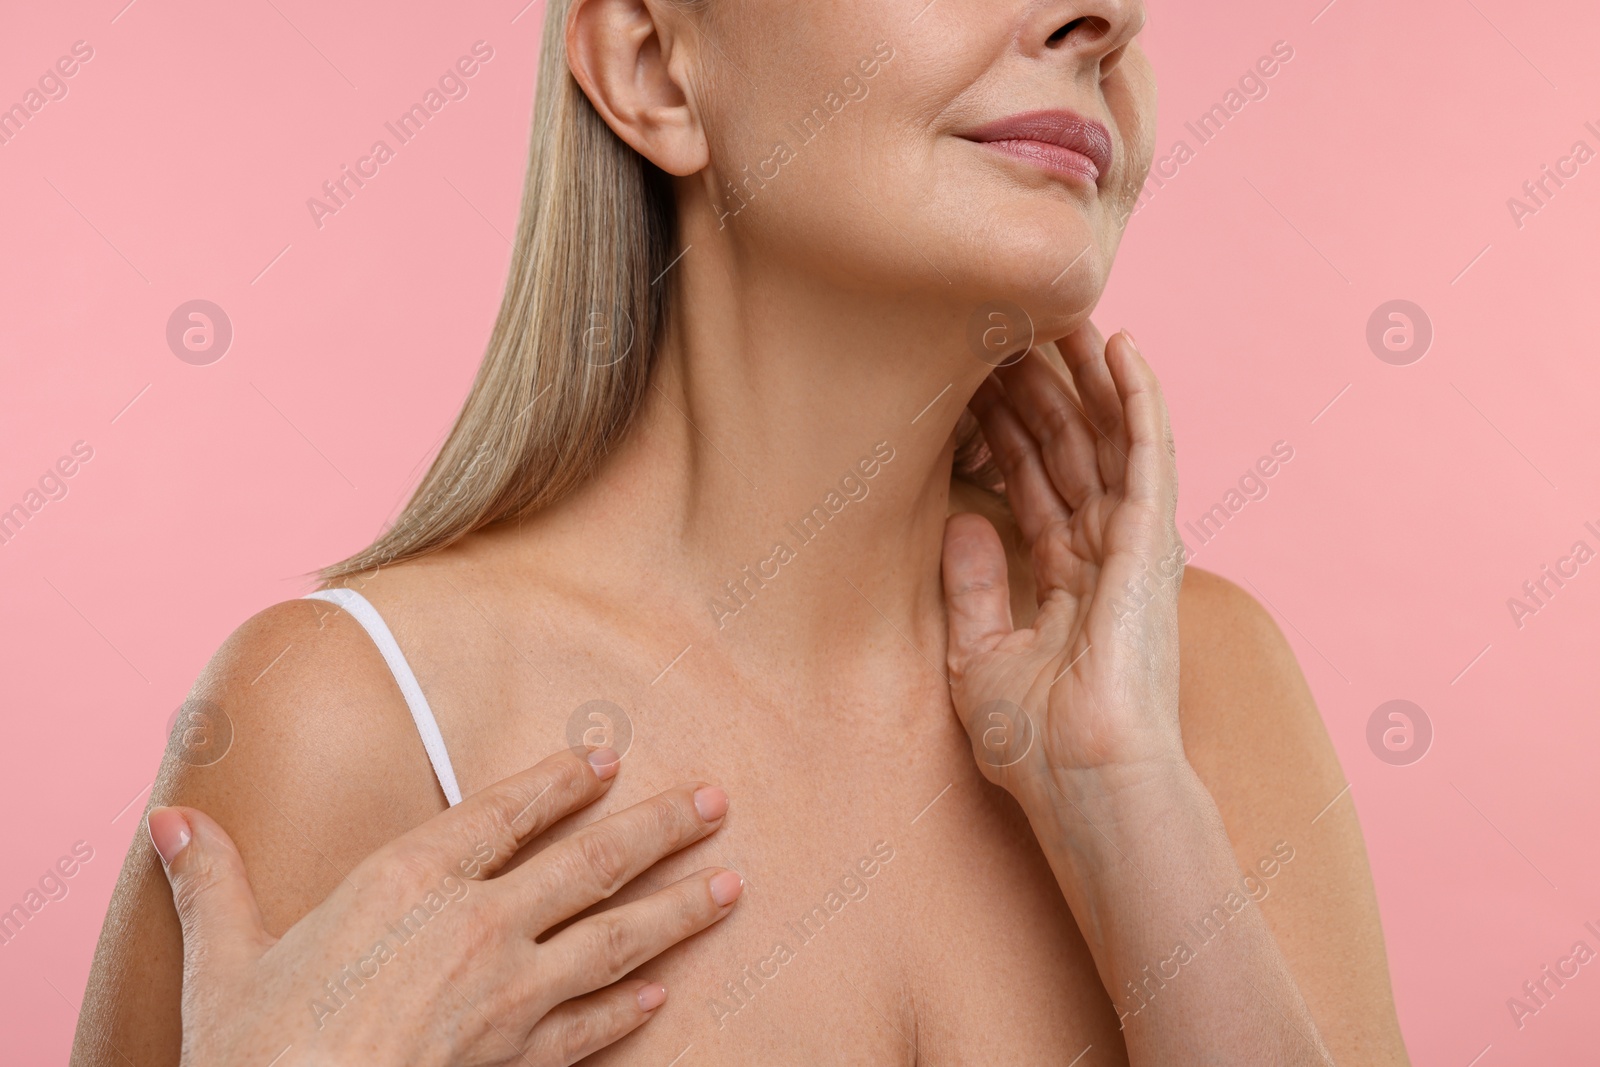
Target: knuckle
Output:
{"points": [[669, 819], [483, 930], [604, 855], [501, 819], [692, 906], [579, 1036], [1008, 451], [1055, 418], [189, 890], [527, 989], [572, 778], [558, 785], [399, 872], [616, 940]]}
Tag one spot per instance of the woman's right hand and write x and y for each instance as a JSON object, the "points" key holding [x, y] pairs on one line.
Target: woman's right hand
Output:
{"points": [[428, 952]]}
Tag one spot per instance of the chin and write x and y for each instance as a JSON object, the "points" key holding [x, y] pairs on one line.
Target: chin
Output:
{"points": [[1044, 255]]}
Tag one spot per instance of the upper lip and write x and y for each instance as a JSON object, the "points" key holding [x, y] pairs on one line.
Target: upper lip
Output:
{"points": [[1066, 129]]}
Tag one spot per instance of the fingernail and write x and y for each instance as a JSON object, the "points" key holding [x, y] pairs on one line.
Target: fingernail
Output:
{"points": [[1131, 341], [652, 996], [726, 887], [169, 832], [711, 803], [605, 762]]}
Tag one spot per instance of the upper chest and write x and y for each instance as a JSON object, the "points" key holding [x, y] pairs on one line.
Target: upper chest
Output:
{"points": [[896, 904]]}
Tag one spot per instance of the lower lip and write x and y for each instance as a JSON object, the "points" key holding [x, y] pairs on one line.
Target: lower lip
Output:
{"points": [[1051, 157]]}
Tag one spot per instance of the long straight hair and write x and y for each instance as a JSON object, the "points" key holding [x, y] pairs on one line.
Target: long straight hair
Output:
{"points": [[569, 360]]}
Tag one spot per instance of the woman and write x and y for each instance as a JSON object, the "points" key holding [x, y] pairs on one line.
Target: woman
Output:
{"points": [[768, 252]]}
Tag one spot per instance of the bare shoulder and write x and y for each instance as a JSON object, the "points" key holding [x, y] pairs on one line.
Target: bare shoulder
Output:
{"points": [[308, 758], [1243, 697], [324, 765], [1255, 737], [1250, 725]]}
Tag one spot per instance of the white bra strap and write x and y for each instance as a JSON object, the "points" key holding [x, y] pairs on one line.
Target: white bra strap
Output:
{"points": [[363, 612]]}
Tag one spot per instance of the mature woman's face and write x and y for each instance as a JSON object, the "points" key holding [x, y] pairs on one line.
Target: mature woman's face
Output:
{"points": [[973, 149]]}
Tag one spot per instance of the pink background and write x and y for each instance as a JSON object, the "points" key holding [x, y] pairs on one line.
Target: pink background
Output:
{"points": [[1378, 167]]}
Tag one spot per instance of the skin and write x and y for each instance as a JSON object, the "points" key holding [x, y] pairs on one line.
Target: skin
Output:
{"points": [[443, 901], [828, 316]]}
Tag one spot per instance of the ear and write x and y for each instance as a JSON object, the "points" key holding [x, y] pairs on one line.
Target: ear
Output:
{"points": [[621, 52]]}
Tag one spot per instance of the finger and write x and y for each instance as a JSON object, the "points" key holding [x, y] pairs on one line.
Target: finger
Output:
{"points": [[210, 890], [1151, 454], [582, 1027], [977, 594], [482, 833], [602, 948], [579, 871], [1084, 354], [1033, 496], [1043, 397]]}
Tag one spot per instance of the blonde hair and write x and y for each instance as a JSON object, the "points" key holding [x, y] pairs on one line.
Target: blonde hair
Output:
{"points": [[570, 356], [569, 359]]}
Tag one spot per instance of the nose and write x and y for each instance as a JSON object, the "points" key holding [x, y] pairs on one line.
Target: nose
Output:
{"points": [[1089, 31]]}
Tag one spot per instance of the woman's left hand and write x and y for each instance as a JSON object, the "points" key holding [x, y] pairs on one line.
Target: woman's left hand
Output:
{"points": [[1088, 694], [1077, 715]]}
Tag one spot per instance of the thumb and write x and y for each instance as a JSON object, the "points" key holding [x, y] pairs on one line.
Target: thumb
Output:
{"points": [[977, 595], [209, 887]]}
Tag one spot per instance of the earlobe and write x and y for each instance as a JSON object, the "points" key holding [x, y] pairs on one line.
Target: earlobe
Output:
{"points": [[621, 52]]}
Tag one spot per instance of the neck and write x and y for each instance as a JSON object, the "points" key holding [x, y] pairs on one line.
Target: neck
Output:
{"points": [[785, 486]]}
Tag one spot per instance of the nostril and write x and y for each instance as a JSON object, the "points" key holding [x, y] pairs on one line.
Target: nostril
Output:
{"points": [[1087, 27], [1064, 32]]}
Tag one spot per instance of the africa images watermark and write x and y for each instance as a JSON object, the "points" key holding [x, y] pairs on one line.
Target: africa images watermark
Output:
{"points": [[50, 87], [1252, 86], [1537, 192], [52, 485], [1538, 591], [1141, 593], [340, 990], [852, 89], [1252, 486], [452, 86], [1539, 991], [1250, 890], [51, 887], [738, 594], [740, 993]]}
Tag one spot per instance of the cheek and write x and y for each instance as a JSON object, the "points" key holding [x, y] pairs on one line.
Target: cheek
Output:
{"points": [[810, 161], [1131, 96]]}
